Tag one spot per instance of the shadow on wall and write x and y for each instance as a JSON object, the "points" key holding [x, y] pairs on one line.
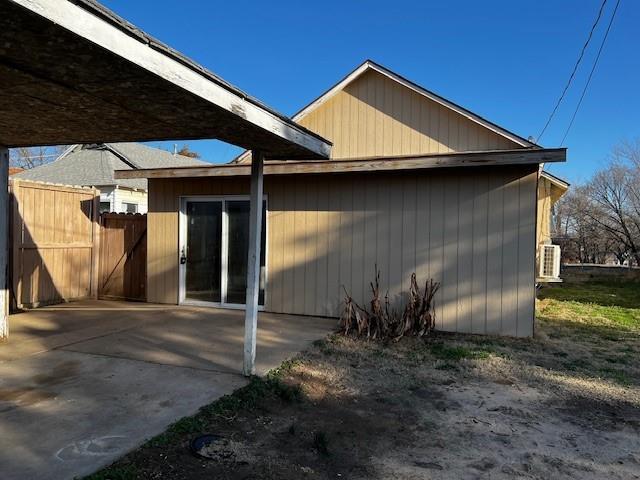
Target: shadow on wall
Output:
{"points": [[472, 231]]}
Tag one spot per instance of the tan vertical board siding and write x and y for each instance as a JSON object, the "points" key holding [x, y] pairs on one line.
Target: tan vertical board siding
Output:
{"points": [[370, 239], [465, 252], [435, 254], [311, 246], [358, 218], [480, 253], [495, 224], [375, 115], [323, 247], [395, 246], [473, 230], [345, 232], [408, 227], [526, 260], [510, 244], [450, 266], [289, 231], [544, 211]]}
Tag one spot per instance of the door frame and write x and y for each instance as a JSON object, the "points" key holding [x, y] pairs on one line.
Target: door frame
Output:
{"points": [[182, 243]]}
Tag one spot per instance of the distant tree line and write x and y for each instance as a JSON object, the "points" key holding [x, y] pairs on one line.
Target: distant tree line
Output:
{"points": [[599, 221]]}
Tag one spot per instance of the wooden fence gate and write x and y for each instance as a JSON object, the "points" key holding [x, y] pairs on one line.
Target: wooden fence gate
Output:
{"points": [[54, 243], [123, 256]]}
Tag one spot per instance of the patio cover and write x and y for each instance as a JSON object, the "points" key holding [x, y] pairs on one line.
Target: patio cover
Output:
{"points": [[71, 71], [74, 72]]}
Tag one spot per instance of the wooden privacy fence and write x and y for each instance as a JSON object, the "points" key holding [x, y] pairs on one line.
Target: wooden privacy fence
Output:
{"points": [[54, 241], [123, 256]]}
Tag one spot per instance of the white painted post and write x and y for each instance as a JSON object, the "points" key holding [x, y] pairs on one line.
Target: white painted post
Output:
{"points": [[253, 264], [4, 241]]}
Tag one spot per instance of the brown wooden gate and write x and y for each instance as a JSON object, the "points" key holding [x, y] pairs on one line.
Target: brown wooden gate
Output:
{"points": [[123, 256]]}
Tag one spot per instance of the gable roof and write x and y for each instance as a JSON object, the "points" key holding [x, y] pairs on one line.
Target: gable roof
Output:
{"points": [[93, 165], [369, 65], [557, 181], [558, 187]]}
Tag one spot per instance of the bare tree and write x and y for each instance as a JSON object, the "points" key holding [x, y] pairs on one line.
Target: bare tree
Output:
{"points": [[187, 152], [602, 218], [628, 151], [579, 235], [31, 157], [611, 192]]}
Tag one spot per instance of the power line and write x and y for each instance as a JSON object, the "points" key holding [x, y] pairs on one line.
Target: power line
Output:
{"points": [[595, 63], [573, 73]]}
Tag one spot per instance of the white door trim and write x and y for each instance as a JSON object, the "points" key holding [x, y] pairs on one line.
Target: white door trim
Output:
{"points": [[182, 244]]}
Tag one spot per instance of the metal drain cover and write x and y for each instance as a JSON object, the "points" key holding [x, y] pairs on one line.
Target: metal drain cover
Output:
{"points": [[219, 448]]}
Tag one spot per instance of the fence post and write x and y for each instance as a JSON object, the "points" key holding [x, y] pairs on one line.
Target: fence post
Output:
{"points": [[95, 249], [16, 238]]}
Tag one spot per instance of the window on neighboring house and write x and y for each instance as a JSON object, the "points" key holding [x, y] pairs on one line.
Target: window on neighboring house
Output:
{"points": [[130, 207], [105, 207]]}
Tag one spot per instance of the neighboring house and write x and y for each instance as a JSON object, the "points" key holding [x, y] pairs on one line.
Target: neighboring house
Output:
{"points": [[14, 170], [93, 166], [416, 183], [550, 189]]}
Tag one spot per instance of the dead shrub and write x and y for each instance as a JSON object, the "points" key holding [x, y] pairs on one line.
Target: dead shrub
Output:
{"points": [[379, 321]]}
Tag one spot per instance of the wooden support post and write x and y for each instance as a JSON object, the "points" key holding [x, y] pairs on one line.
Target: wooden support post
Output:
{"points": [[4, 241], [253, 265]]}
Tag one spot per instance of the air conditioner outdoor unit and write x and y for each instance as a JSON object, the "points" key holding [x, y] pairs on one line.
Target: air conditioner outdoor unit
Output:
{"points": [[549, 261]]}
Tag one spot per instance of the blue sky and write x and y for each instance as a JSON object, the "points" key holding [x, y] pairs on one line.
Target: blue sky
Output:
{"points": [[505, 60]]}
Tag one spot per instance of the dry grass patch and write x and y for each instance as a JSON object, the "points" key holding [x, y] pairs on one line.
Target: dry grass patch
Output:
{"points": [[565, 404]]}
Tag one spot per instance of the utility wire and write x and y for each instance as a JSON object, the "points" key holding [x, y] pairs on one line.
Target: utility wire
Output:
{"points": [[573, 73], [595, 64]]}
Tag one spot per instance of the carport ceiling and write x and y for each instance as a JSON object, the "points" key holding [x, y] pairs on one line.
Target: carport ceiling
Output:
{"points": [[74, 72]]}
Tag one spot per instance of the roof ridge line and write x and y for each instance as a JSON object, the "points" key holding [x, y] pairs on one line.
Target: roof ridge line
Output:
{"points": [[122, 156]]}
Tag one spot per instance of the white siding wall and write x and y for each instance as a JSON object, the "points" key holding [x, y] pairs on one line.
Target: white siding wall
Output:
{"points": [[119, 196]]}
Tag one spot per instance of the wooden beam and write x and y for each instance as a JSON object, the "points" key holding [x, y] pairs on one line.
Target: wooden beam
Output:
{"points": [[449, 160], [253, 265], [97, 25], [4, 241]]}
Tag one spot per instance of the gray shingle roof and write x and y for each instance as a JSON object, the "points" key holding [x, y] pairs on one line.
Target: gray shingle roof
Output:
{"points": [[93, 165]]}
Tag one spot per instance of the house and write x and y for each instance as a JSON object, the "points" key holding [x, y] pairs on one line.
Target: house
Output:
{"points": [[415, 183], [550, 190], [93, 166]]}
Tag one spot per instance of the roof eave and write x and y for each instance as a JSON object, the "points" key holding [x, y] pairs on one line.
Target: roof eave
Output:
{"points": [[371, 164]]}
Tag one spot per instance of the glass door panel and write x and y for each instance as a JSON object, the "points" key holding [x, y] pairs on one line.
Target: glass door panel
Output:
{"points": [[237, 248], [203, 251]]}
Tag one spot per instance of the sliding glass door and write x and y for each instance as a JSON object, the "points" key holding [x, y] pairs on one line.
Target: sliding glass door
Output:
{"points": [[202, 254], [214, 247]]}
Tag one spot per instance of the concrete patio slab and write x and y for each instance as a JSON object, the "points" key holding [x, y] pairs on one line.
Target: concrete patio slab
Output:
{"points": [[83, 383]]}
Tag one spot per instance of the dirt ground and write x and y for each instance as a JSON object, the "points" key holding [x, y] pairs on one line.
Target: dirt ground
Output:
{"points": [[565, 404]]}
